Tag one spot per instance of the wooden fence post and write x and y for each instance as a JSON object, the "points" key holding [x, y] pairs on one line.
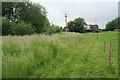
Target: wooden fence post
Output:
{"points": [[109, 56]]}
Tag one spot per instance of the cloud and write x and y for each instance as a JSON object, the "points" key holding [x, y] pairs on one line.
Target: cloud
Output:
{"points": [[102, 12], [74, 0]]}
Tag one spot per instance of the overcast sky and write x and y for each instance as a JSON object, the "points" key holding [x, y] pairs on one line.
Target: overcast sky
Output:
{"points": [[99, 11]]}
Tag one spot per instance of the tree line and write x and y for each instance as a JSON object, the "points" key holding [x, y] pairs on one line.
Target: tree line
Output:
{"points": [[78, 25]]}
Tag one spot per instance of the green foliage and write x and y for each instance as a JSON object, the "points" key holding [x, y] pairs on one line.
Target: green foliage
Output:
{"points": [[71, 26], [6, 26], [111, 25], [34, 14], [88, 30], [7, 9], [77, 25], [53, 29], [96, 31], [37, 17], [58, 29], [21, 28], [103, 29]]}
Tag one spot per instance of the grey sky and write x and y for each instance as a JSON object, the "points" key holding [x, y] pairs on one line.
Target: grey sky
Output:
{"points": [[101, 11]]}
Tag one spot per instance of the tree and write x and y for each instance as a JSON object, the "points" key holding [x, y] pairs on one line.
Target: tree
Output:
{"points": [[37, 17], [111, 25], [77, 25], [34, 14], [6, 25]]}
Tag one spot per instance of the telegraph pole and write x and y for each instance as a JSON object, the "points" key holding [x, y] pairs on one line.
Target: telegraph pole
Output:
{"points": [[66, 20]]}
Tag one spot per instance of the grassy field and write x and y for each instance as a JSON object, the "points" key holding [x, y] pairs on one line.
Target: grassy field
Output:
{"points": [[64, 55], [0, 57]]}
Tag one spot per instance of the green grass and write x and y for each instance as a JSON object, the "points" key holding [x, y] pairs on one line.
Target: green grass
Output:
{"points": [[64, 55], [0, 58]]}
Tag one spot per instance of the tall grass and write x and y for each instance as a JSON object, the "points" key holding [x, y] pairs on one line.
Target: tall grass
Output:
{"points": [[0, 57], [64, 55]]}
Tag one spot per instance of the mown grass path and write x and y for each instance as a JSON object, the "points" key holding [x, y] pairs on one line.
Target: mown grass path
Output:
{"points": [[65, 55]]}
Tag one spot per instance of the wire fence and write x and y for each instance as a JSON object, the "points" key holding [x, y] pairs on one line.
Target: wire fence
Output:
{"points": [[112, 53]]}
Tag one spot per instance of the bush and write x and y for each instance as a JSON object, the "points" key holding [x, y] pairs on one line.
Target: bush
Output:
{"points": [[50, 30], [53, 29], [58, 30], [21, 28], [103, 30], [88, 30], [96, 31]]}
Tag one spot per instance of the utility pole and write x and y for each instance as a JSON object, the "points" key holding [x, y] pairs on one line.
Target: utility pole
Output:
{"points": [[66, 20]]}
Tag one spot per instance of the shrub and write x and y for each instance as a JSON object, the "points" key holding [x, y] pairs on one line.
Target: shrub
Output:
{"points": [[53, 29], [96, 31], [88, 30], [21, 28], [103, 30], [50, 30], [58, 30]]}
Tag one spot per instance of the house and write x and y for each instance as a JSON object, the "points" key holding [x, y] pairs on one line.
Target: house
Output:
{"points": [[94, 27]]}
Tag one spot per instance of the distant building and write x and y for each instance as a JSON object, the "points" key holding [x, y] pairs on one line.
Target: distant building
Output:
{"points": [[94, 27], [65, 29]]}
